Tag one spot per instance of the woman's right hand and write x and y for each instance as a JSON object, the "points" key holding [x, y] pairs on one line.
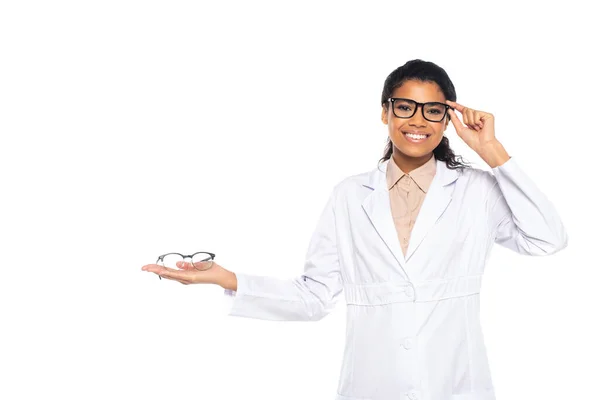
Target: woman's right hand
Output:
{"points": [[200, 272]]}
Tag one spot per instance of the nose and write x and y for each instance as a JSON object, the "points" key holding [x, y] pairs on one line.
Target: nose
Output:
{"points": [[417, 118]]}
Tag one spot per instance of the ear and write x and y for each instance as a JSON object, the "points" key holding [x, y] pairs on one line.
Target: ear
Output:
{"points": [[384, 118]]}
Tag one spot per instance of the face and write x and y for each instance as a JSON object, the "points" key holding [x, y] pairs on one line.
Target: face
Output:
{"points": [[415, 149]]}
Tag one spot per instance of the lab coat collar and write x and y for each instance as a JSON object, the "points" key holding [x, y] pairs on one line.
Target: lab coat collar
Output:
{"points": [[377, 206]]}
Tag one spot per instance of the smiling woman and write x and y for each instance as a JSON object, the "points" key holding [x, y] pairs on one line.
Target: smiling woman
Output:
{"points": [[411, 284], [415, 110]]}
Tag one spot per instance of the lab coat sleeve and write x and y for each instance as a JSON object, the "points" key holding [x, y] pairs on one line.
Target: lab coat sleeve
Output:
{"points": [[307, 297], [522, 218]]}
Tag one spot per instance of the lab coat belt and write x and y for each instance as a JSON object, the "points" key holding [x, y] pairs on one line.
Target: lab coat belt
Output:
{"points": [[402, 292]]}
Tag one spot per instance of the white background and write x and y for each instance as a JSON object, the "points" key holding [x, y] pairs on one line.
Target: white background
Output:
{"points": [[135, 128]]}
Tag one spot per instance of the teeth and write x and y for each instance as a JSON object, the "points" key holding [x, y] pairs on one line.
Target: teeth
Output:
{"points": [[412, 136]]}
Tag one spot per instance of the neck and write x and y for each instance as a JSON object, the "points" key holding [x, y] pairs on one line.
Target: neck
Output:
{"points": [[408, 164]]}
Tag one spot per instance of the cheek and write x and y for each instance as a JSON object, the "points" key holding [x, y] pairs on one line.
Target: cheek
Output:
{"points": [[437, 138], [439, 133]]}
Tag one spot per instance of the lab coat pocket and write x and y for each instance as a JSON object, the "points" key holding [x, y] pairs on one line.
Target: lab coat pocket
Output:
{"points": [[376, 363]]}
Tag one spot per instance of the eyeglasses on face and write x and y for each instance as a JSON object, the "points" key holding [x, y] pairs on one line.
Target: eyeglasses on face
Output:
{"points": [[405, 108]]}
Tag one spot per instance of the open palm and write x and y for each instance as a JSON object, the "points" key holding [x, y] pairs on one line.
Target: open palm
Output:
{"points": [[200, 272]]}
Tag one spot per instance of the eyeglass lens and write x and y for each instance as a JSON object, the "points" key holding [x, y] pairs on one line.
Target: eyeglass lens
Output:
{"points": [[406, 108]]}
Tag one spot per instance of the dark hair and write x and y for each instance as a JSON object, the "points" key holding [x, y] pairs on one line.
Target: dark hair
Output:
{"points": [[427, 72]]}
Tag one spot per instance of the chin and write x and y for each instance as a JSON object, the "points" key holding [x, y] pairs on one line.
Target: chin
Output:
{"points": [[415, 154], [414, 151]]}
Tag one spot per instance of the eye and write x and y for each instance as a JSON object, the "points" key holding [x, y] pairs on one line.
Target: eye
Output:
{"points": [[404, 105], [435, 109]]}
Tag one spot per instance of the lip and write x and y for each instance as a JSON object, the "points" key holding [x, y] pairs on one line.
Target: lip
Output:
{"points": [[416, 133]]}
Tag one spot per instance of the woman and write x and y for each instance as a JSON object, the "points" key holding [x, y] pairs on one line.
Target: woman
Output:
{"points": [[413, 327]]}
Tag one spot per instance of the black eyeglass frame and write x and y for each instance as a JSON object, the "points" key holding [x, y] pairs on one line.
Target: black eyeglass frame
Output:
{"points": [[210, 258], [446, 107]]}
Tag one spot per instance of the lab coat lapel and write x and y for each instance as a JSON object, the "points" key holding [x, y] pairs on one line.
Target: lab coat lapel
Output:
{"points": [[437, 199], [378, 209]]}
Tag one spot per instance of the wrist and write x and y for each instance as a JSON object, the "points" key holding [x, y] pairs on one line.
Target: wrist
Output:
{"points": [[228, 280], [494, 154]]}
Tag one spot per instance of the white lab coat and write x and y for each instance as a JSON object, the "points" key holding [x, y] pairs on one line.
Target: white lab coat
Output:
{"points": [[413, 329]]}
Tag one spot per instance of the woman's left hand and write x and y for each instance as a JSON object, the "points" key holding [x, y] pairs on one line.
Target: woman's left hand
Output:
{"points": [[479, 129]]}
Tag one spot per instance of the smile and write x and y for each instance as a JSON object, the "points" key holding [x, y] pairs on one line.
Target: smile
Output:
{"points": [[416, 138]]}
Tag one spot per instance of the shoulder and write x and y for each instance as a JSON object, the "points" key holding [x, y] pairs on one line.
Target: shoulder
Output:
{"points": [[362, 181], [477, 181], [477, 176], [356, 187]]}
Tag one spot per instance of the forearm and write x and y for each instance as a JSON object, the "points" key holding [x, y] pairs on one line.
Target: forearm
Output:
{"points": [[494, 154]]}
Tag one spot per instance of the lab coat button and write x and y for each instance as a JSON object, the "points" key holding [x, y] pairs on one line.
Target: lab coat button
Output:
{"points": [[408, 343], [409, 291], [412, 395]]}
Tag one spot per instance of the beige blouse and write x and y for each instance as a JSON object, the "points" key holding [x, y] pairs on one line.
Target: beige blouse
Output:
{"points": [[407, 192]]}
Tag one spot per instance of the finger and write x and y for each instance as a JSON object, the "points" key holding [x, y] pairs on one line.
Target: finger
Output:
{"points": [[469, 117], [473, 118], [457, 106], [467, 114], [184, 265], [203, 265], [487, 118], [153, 268], [458, 126], [145, 267], [479, 118], [158, 269]]}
